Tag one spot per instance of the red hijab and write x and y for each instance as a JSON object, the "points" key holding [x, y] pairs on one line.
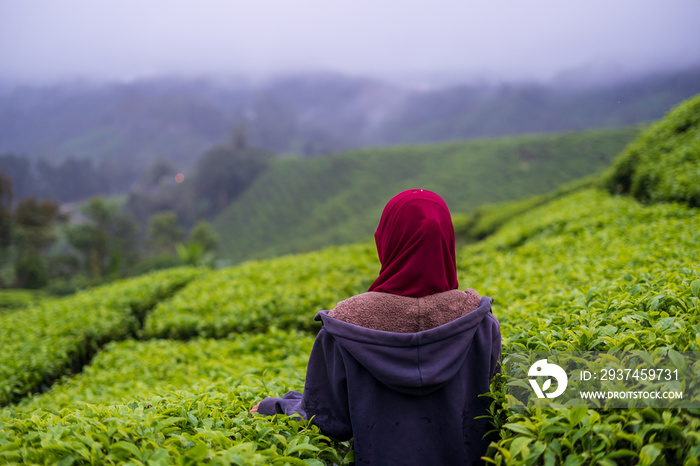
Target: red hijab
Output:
{"points": [[416, 245]]}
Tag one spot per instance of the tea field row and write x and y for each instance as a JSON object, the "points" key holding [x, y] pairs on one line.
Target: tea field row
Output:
{"points": [[170, 402], [44, 342], [285, 292], [587, 271], [592, 272]]}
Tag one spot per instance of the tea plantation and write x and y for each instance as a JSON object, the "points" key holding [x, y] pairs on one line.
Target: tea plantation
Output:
{"points": [[300, 205], [175, 359]]}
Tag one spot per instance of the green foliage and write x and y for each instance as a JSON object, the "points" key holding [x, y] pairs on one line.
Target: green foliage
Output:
{"points": [[34, 219], [224, 172], [18, 299], [33, 232], [285, 292], [190, 253], [168, 402], [125, 369], [203, 425], [591, 272], [202, 233], [299, 205], [573, 263], [6, 195], [154, 262], [585, 271], [164, 232], [42, 343], [487, 219], [663, 163], [106, 241], [566, 436], [200, 249], [31, 271]]}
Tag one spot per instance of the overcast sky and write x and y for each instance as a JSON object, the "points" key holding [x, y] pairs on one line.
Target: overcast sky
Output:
{"points": [[44, 40]]}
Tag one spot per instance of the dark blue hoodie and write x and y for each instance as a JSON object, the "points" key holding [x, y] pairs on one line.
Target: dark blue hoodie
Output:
{"points": [[405, 398]]}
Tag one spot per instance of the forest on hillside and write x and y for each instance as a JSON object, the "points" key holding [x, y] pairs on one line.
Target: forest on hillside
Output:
{"points": [[108, 134]]}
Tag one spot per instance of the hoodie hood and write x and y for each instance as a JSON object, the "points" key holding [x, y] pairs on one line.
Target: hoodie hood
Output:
{"points": [[411, 363]]}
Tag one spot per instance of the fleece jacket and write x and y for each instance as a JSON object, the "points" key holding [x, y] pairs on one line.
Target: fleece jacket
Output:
{"points": [[406, 398]]}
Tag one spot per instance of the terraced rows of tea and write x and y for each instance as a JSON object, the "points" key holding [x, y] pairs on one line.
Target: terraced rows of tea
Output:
{"points": [[163, 369], [177, 366]]}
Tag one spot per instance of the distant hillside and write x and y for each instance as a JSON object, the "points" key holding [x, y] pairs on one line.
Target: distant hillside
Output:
{"points": [[125, 127], [663, 164], [304, 204], [487, 111], [136, 122]]}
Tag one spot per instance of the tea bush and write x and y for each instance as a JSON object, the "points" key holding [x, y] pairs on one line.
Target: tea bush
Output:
{"points": [[42, 343], [663, 164], [165, 402], [581, 257], [19, 299], [285, 292], [590, 272], [586, 271], [487, 219], [131, 368], [204, 424]]}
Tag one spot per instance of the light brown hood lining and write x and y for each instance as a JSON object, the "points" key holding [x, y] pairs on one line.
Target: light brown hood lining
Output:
{"points": [[403, 314]]}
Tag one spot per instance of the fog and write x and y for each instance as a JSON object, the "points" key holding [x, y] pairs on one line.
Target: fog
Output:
{"points": [[401, 40]]}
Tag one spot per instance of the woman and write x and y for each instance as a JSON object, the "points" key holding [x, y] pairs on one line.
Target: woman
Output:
{"points": [[401, 367]]}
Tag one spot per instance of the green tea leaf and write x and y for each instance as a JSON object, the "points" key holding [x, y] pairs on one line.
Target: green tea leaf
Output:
{"points": [[695, 288], [519, 428], [576, 414], [649, 453]]}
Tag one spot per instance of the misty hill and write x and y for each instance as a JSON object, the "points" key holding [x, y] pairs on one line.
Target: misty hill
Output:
{"points": [[487, 111], [125, 127], [302, 204]]}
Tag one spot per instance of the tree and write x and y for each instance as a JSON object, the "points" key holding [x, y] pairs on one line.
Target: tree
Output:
{"points": [[6, 195], [18, 169], [200, 247], [6, 227], [34, 219], [203, 234], [159, 170], [106, 239], [34, 223], [72, 180], [164, 232], [223, 172]]}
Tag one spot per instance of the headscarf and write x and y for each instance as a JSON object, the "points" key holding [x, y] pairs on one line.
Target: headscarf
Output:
{"points": [[416, 246]]}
